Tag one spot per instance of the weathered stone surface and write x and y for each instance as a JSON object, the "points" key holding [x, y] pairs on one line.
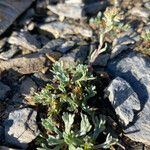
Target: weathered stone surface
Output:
{"points": [[10, 53], [25, 40], [78, 54], [124, 100], [24, 65], [73, 10], [28, 86], [120, 44], [21, 127], [4, 89], [140, 12], [147, 5], [65, 47], [94, 7], [73, 1], [2, 134], [2, 42], [7, 148], [60, 29], [135, 69], [10, 10], [101, 60], [52, 45]]}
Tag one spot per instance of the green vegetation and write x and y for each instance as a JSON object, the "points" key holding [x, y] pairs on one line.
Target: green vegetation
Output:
{"points": [[146, 35], [107, 23], [71, 123]]}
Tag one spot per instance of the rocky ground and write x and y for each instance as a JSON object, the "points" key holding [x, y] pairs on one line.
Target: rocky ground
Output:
{"points": [[35, 34]]}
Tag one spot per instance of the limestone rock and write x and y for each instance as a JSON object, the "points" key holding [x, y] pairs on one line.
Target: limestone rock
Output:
{"points": [[10, 10], [24, 40], [60, 29], [135, 69], [28, 86], [9, 53], [25, 64], [140, 12], [4, 89], [123, 99], [120, 44], [78, 54], [21, 127], [65, 47], [72, 10]]}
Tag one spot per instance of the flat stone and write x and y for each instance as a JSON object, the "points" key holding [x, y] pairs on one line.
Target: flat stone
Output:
{"points": [[28, 87], [140, 12], [27, 64], [123, 99], [135, 69], [65, 47], [9, 53], [52, 45], [2, 42], [78, 54], [60, 29], [147, 5], [24, 40], [2, 135], [71, 10], [73, 1], [101, 60], [7, 148], [4, 90], [120, 44], [21, 127], [10, 10], [94, 7]]}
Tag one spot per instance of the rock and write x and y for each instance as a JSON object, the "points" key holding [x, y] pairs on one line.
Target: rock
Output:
{"points": [[95, 7], [52, 45], [101, 60], [120, 44], [10, 10], [123, 40], [7, 148], [147, 5], [2, 135], [65, 47], [21, 127], [73, 1], [4, 90], [24, 40], [123, 99], [27, 64], [28, 87], [60, 29], [118, 49], [78, 54], [10, 53], [41, 79], [140, 12], [71, 10], [26, 18], [2, 42], [135, 69], [50, 19], [43, 40]]}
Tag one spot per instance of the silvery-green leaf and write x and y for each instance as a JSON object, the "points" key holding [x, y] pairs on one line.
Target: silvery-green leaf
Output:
{"points": [[85, 125], [52, 140], [48, 124], [68, 121], [99, 125]]}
